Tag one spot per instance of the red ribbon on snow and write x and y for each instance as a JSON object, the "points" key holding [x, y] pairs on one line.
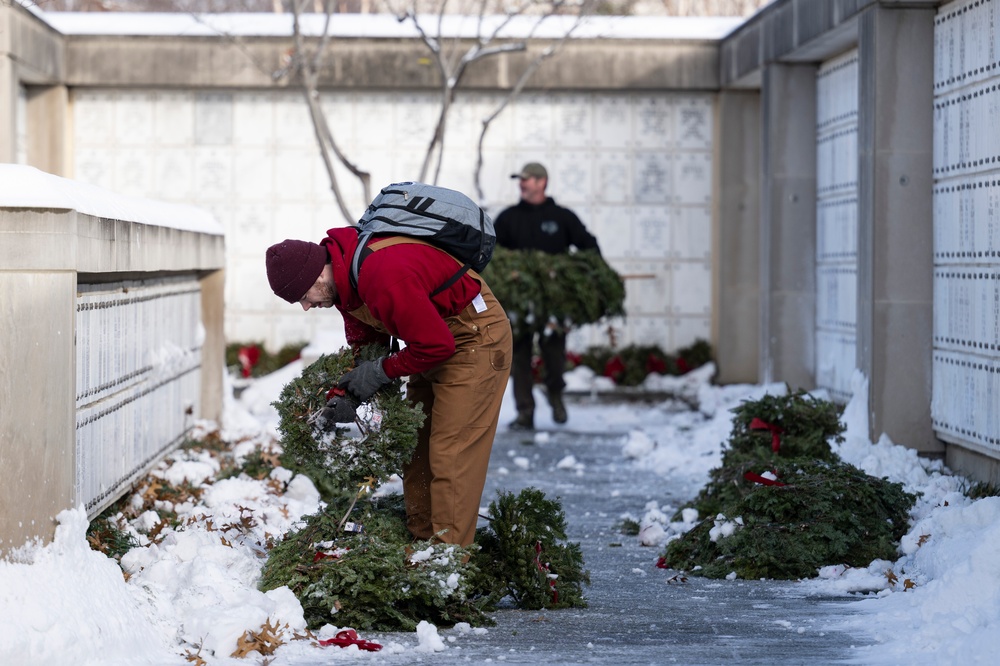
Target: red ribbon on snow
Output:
{"points": [[662, 563], [350, 637], [758, 424], [763, 480], [544, 568]]}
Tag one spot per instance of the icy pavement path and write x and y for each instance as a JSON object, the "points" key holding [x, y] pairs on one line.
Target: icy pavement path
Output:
{"points": [[635, 616]]}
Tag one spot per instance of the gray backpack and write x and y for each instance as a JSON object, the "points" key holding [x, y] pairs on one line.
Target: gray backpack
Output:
{"points": [[444, 218]]}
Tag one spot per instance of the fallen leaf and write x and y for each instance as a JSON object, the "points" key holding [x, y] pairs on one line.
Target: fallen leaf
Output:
{"points": [[266, 641], [270, 458], [157, 529], [195, 658]]}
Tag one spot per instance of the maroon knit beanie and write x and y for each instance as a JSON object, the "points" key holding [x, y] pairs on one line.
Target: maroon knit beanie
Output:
{"points": [[293, 266]]}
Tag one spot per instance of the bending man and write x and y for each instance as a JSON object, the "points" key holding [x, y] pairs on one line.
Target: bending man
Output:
{"points": [[457, 358]]}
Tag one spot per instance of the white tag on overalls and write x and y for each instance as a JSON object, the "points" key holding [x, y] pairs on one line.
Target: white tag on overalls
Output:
{"points": [[479, 303]]}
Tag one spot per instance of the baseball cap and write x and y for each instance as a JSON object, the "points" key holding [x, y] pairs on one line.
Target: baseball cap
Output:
{"points": [[531, 170]]}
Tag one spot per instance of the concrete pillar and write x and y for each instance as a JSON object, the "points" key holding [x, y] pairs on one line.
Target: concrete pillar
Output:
{"points": [[48, 144], [38, 361], [8, 101], [895, 221], [736, 251], [213, 350], [788, 225]]}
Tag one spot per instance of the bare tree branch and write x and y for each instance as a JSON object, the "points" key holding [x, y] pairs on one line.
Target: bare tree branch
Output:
{"points": [[519, 85], [452, 64], [308, 67]]}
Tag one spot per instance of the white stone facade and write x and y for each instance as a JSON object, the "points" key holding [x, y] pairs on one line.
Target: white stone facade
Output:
{"points": [[637, 169]]}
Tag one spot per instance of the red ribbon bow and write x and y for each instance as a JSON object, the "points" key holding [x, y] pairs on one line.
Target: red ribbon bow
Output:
{"points": [[248, 358], [615, 368], [544, 568], [350, 637], [763, 480], [758, 424]]}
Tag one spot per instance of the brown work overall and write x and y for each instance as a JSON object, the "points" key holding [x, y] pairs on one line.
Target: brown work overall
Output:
{"points": [[443, 482]]}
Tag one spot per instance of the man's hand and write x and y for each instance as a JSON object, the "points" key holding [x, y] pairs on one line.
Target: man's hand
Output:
{"points": [[363, 381], [340, 408]]}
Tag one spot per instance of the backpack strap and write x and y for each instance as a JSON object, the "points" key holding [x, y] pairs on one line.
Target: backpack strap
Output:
{"points": [[364, 250]]}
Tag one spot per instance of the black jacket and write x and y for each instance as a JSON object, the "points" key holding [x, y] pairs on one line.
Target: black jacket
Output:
{"points": [[545, 227]]}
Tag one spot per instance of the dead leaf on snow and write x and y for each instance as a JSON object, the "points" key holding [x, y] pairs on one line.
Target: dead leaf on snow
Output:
{"points": [[266, 641], [270, 458], [151, 493], [195, 658], [155, 532]]}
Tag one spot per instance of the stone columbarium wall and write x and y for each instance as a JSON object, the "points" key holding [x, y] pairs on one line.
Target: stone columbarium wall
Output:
{"points": [[111, 312]]}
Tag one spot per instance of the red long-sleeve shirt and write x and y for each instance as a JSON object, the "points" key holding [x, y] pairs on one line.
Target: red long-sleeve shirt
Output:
{"points": [[395, 283]]}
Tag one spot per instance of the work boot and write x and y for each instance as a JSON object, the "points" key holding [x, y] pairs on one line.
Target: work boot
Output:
{"points": [[558, 408], [524, 421]]}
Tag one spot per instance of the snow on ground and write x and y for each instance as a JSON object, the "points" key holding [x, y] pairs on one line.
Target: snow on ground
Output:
{"points": [[65, 603]]}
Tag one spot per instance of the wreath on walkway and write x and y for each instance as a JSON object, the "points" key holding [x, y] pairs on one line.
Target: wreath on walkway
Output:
{"points": [[379, 578]]}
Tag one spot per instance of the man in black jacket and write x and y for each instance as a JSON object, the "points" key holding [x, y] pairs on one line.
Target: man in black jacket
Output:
{"points": [[537, 223]]}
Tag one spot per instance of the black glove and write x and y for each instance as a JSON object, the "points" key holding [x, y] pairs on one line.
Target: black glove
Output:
{"points": [[339, 409], [363, 381]]}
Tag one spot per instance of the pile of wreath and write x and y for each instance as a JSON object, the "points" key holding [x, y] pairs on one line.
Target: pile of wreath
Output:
{"points": [[783, 504], [355, 564], [542, 291]]}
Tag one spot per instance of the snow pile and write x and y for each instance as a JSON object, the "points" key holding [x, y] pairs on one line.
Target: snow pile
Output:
{"points": [[428, 639], [193, 587], [65, 595]]}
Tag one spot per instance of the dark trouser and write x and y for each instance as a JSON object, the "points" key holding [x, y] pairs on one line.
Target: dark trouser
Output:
{"points": [[553, 348]]}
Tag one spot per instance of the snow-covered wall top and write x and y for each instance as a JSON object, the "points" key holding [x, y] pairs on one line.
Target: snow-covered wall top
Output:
{"points": [[387, 26], [27, 187]]}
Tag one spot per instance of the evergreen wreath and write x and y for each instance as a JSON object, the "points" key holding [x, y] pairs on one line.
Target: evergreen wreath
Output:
{"points": [[805, 424], [630, 365], [824, 513], [379, 578], [539, 290], [523, 554], [338, 462]]}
